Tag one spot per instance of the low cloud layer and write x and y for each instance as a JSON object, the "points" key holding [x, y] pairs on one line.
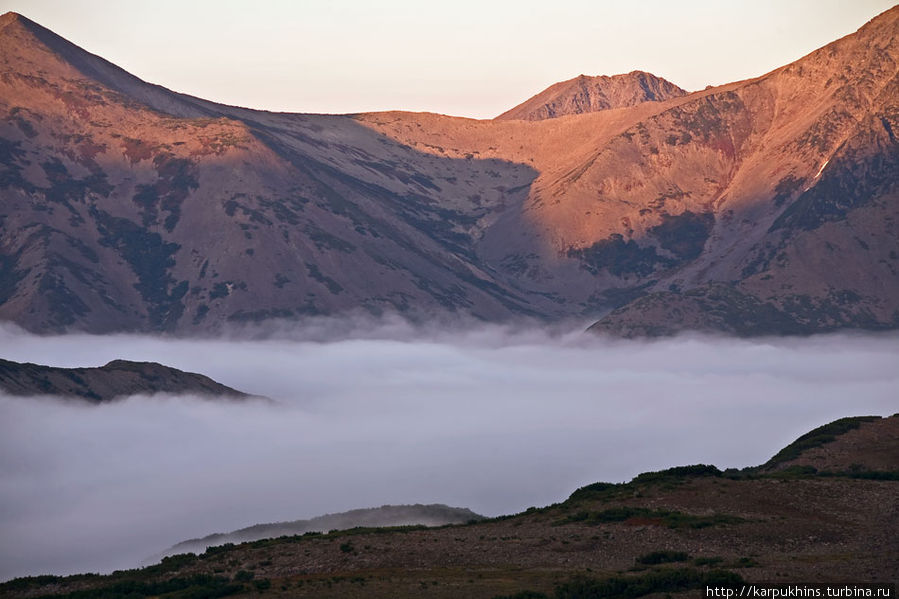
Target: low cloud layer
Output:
{"points": [[492, 419]]}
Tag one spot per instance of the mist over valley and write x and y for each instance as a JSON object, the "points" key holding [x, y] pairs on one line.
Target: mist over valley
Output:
{"points": [[494, 419]]}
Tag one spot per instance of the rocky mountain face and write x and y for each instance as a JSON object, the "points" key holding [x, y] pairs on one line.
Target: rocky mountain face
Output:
{"points": [[592, 94], [119, 378], [763, 206], [384, 516]]}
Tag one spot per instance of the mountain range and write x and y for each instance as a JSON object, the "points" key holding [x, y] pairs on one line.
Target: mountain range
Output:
{"points": [[765, 206]]}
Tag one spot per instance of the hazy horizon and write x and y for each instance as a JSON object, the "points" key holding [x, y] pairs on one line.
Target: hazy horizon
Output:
{"points": [[495, 419], [467, 58]]}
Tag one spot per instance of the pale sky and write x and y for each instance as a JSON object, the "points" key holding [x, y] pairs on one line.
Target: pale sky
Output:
{"points": [[473, 58]]}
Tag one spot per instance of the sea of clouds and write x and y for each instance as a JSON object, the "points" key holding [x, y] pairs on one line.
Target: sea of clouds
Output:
{"points": [[492, 418]]}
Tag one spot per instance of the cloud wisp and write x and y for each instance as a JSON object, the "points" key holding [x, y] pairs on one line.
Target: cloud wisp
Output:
{"points": [[495, 420]]}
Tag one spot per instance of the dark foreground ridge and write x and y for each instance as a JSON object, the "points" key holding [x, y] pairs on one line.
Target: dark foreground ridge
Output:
{"points": [[119, 378], [673, 532]]}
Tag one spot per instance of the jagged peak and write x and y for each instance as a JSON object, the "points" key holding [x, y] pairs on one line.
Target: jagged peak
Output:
{"points": [[592, 93]]}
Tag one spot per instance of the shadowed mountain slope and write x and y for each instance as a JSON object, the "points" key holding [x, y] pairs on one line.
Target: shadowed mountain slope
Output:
{"points": [[118, 216], [761, 206], [592, 94], [119, 378]]}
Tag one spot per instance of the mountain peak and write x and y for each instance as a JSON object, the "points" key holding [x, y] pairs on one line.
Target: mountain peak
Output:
{"points": [[9, 17], [28, 43], [15, 19], [587, 93]]}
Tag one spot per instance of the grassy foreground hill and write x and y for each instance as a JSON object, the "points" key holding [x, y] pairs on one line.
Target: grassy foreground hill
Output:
{"points": [[670, 532]]}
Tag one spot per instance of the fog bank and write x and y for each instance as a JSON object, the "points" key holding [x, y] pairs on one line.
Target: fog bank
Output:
{"points": [[492, 419]]}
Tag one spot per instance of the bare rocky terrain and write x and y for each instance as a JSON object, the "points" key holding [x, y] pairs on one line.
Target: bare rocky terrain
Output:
{"points": [[663, 532], [117, 379], [765, 206]]}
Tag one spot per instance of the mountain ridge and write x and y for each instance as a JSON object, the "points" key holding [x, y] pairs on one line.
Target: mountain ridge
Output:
{"points": [[114, 380], [745, 185], [105, 72]]}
